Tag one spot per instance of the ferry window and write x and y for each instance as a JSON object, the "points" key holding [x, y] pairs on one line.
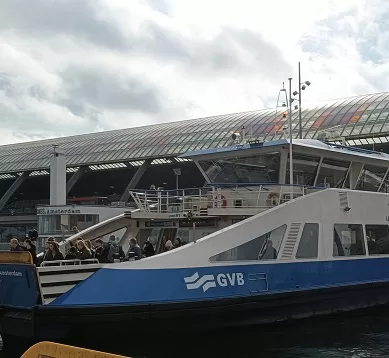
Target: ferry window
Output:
{"points": [[264, 247], [308, 246], [304, 169], [348, 240], [371, 178], [377, 237], [333, 173], [254, 169]]}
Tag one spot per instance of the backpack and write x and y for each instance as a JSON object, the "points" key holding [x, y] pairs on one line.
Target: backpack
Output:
{"points": [[114, 250]]}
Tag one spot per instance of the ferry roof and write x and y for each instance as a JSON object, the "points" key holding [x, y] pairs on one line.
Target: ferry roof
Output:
{"points": [[307, 143], [365, 116]]}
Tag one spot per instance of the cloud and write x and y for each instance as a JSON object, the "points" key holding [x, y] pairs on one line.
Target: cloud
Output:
{"points": [[76, 66]]}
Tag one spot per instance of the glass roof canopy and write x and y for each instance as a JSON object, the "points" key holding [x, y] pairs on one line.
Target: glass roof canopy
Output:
{"points": [[354, 116]]}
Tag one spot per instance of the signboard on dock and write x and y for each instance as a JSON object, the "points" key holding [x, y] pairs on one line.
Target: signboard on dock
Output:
{"points": [[200, 222], [160, 223], [63, 210]]}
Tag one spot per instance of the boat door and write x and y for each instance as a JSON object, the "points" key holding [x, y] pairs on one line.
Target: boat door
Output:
{"points": [[165, 234], [157, 236]]}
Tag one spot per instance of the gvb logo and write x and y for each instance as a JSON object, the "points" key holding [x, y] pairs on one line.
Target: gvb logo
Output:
{"points": [[208, 281]]}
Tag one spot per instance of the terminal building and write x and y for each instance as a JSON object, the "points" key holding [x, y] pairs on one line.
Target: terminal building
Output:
{"points": [[102, 167]]}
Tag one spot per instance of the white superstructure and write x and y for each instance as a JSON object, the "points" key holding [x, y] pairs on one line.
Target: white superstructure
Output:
{"points": [[247, 199]]}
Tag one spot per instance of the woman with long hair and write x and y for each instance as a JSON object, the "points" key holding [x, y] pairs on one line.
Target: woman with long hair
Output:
{"points": [[53, 253], [83, 253], [31, 248]]}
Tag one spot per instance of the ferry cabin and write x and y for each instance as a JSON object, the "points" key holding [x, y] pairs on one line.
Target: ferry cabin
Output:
{"points": [[244, 180]]}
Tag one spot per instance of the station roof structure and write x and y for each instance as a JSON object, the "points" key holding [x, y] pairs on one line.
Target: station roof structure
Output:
{"points": [[361, 120]]}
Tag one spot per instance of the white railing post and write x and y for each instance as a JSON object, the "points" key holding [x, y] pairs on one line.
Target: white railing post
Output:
{"points": [[159, 201], [145, 201], [259, 196], [280, 195]]}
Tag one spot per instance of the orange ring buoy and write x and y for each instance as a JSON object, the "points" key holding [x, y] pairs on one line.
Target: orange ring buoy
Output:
{"points": [[273, 198]]}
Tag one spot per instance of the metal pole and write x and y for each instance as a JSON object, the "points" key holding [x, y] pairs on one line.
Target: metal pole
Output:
{"points": [[177, 183], [300, 90], [194, 230], [290, 137]]}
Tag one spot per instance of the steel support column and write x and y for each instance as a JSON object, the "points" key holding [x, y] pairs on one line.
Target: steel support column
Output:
{"points": [[135, 180], [12, 189], [74, 179]]}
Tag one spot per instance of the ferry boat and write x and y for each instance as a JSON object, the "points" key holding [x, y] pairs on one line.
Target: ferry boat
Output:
{"points": [[260, 250]]}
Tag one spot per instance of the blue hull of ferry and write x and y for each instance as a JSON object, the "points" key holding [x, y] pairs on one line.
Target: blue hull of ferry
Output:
{"points": [[203, 298], [139, 287]]}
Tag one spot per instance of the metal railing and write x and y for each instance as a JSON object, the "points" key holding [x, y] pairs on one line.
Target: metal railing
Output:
{"points": [[69, 262], [228, 196]]}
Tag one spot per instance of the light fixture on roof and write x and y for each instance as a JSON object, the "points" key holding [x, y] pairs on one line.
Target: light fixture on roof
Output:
{"points": [[302, 87], [177, 173], [289, 102]]}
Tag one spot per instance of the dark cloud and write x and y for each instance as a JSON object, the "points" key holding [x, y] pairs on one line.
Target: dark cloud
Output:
{"points": [[81, 92], [45, 18], [240, 51], [111, 90], [232, 50]]}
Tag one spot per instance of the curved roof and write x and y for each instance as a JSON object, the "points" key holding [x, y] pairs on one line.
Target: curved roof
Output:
{"points": [[353, 116]]}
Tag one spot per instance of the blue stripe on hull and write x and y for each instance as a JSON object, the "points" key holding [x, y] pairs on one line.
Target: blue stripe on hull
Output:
{"points": [[129, 286]]}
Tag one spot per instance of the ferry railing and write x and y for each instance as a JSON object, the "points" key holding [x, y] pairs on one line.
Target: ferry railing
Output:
{"points": [[218, 196], [68, 262]]}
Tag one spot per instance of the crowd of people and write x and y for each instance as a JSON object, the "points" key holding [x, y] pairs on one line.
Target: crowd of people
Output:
{"points": [[104, 252]]}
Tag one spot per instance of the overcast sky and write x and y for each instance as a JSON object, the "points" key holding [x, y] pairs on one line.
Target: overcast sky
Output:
{"points": [[77, 66]]}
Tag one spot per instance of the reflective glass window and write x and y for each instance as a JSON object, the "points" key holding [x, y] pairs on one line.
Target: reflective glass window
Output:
{"points": [[254, 169], [333, 173], [264, 247], [309, 241], [304, 169], [377, 237], [371, 178], [348, 240]]}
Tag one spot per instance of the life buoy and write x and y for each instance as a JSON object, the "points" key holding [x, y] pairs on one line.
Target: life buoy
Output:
{"points": [[223, 201], [273, 198]]}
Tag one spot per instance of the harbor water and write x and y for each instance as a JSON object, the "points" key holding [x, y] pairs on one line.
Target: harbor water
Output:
{"points": [[363, 334]]}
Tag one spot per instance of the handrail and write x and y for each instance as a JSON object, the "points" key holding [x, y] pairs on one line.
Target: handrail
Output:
{"points": [[200, 200], [210, 186], [264, 184], [62, 262]]}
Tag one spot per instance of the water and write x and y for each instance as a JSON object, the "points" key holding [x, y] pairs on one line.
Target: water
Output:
{"points": [[352, 336]]}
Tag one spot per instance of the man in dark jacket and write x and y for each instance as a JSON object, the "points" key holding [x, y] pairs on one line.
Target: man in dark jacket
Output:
{"points": [[33, 234], [115, 251], [134, 252], [101, 251]]}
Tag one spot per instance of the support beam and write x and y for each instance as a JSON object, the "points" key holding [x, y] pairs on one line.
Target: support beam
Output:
{"points": [[12, 189], [355, 173], [74, 179], [135, 180], [283, 165], [58, 176]]}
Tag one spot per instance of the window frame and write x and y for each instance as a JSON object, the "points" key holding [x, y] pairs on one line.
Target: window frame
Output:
{"points": [[364, 246], [365, 230], [279, 249], [317, 243]]}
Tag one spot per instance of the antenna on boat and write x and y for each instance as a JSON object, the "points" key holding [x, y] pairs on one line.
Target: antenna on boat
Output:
{"points": [[330, 135], [189, 215], [243, 134]]}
